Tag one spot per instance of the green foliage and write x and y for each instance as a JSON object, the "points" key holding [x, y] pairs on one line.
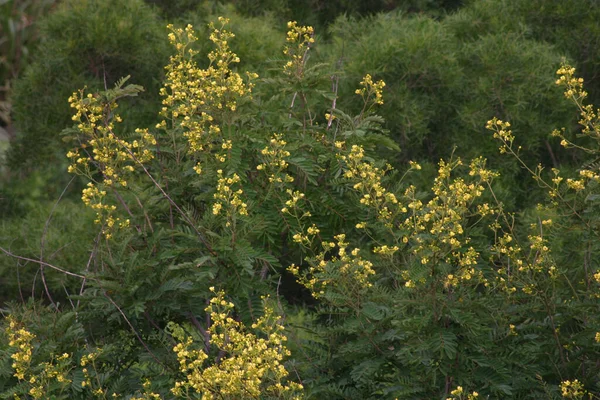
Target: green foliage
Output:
{"points": [[17, 38], [394, 281], [41, 235], [441, 88], [87, 43], [568, 25]]}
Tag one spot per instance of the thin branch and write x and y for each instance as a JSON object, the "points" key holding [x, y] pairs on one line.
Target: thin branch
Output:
{"points": [[8, 253], [133, 329], [203, 331], [166, 195], [43, 241]]}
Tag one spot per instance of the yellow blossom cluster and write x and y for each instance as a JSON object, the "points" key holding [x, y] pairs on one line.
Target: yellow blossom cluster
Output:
{"points": [[195, 99], [274, 163], [148, 394], [572, 389], [508, 254], [20, 339], [250, 365], [460, 394], [306, 239], [344, 272], [291, 205], [367, 182], [437, 227], [434, 231], [101, 150], [503, 133], [300, 40], [590, 117], [227, 199], [89, 361], [54, 371], [94, 198], [371, 91], [99, 146]]}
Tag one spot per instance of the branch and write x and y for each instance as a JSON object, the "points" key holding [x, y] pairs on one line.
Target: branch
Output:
{"points": [[8, 253]]}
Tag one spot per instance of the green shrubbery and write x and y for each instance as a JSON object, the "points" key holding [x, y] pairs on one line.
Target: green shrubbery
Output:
{"points": [[248, 204]]}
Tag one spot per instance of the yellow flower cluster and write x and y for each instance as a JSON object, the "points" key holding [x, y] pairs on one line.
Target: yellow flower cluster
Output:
{"points": [[228, 199], [306, 239], [291, 205], [573, 85], [371, 91], [345, 273], [94, 198], [501, 132], [89, 361], [274, 163], [148, 394], [20, 339], [196, 99], [367, 182], [460, 394], [438, 226], [590, 118], [112, 156], [300, 39], [509, 254], [572, 389], [54, 371], [250, 365], [102, 151]]}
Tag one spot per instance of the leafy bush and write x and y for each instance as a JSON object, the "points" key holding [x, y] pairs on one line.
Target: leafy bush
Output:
{"points": [[258, 202], [442, 88], [17, 38], [89, 43]]}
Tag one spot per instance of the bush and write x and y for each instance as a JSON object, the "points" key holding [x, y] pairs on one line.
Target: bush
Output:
{"points": [[237, 208], [89, 43], [442, 89]]}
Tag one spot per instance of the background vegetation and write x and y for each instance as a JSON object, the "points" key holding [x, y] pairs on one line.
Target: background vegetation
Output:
{"points": [[472, 280]]}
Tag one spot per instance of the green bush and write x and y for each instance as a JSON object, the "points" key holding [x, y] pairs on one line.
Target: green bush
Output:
{"points": [[18, 37], [256, 203], [442, 89], [86, 43]]}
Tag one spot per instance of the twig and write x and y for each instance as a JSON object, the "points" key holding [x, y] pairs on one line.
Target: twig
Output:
{"points": [[87, 266], [203, 331], [43, 241], [8, 253], [133, 329], [166, 195]]}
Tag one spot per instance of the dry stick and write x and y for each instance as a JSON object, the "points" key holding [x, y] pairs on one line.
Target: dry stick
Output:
{"points": [[133, 329], [19, 282], [203, 331], [69, 298], [8, 253], [146, 214], [43, 240], [165, 194], [92, 256]]}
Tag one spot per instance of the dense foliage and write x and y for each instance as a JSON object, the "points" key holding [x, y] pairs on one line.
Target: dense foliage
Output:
{"points": [[274, 215]]}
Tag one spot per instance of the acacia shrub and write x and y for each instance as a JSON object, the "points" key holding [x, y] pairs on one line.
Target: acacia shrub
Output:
{"points": [[85, 43], [443, 85], [420, 292]]}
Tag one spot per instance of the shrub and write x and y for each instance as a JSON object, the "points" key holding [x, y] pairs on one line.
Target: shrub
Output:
{"points": [[89, 43], [405, 291]]}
